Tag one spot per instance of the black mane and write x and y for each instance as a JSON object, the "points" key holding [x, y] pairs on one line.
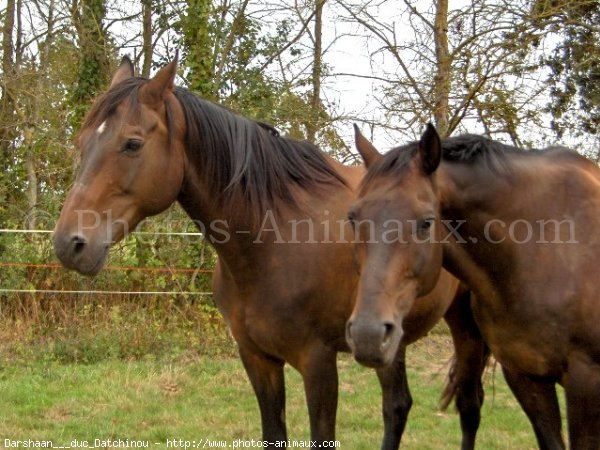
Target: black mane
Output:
{"points": [[247, 162], [472, 149]]}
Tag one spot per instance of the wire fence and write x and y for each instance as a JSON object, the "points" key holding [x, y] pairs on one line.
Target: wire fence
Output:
{"points": [[129, 268], [118, 268], [139, 233]]}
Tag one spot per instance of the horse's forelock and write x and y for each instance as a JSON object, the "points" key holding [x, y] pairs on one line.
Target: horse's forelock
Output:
{"points": [[108, 102]]}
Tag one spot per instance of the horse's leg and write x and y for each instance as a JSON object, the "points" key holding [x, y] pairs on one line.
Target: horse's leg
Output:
{"points": [[582, 389], [397, 400], [266, 376], [538, 400], [319, 372], [471, 355]]}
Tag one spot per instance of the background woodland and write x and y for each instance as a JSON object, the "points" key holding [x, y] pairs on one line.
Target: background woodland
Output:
{"points": [[524, 71]]}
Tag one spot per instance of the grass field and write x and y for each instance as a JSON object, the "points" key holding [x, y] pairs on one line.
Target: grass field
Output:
{"points": [[210, 398]]}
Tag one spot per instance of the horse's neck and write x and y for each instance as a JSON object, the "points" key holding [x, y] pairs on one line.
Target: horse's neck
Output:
{"points": [[534, 188], [541, 208], [475, 209], [242, 243], [223, 230]]}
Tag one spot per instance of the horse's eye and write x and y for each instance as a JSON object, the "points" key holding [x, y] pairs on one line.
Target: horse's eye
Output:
{"points": [[132, 146], [352, 217], [425, 224]]}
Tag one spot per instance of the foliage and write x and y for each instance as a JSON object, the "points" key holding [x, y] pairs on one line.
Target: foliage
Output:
{"points": [[225, 52], [474, 71], [94, 60], [574, 64], [195, 28]]}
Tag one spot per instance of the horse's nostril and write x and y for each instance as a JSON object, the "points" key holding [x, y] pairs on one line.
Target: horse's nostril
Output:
{"points": [[78, 244], [388, 332]]}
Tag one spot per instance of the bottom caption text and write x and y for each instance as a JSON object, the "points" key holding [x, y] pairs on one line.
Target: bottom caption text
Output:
{"points": [[169, 443]]}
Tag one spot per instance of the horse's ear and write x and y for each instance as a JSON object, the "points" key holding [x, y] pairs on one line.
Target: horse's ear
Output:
{"points": [[124, 71], [367, 150], [157, 88], [430, 150]]}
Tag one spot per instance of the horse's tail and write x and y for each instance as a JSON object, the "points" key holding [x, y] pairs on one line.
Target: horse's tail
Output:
{"points": [[452, 384], [451, 388]]}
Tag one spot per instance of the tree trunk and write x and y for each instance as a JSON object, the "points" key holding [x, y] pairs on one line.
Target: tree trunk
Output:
{"points": [[6, 107], [7, 110], [228, 44], [32, 179], [19, 35], [147, 48], [317, 70], [443, 73], [30, 130]]}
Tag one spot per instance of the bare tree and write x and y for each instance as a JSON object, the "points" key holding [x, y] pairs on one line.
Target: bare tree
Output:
{"points": [[472, 63]]}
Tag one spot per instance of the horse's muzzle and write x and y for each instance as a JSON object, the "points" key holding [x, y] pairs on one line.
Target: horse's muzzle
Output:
{"points": [[78, 253], [374, 343]]}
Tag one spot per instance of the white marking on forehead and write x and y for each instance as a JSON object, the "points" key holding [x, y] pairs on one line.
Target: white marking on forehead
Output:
{"points": [[101, 128]]}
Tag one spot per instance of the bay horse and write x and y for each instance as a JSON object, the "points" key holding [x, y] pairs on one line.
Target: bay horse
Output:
{"points": [[275, 211], [522, 230]]}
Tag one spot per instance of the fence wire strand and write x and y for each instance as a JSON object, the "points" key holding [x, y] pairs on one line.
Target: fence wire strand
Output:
{"points": [[117, 268]]}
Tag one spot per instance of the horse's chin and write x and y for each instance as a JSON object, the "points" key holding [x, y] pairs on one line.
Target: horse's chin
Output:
{"points": [[89, 263], [91, 268], [374, 362]]}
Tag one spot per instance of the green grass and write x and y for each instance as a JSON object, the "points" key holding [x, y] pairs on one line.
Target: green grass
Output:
{"points": [[210, 397]]}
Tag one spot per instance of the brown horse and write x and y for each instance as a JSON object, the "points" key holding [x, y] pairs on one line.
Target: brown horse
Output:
{"points": [[275, 211], [523, 231]]}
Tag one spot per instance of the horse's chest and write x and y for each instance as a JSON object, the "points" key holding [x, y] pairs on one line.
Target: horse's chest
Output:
{"points": [[281, 326]]}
